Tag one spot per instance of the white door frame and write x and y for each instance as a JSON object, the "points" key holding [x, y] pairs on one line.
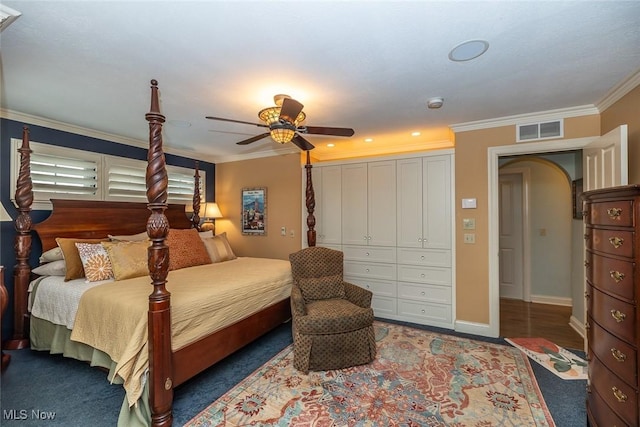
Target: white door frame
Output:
{"points": [[493, 154], [525, 173]]}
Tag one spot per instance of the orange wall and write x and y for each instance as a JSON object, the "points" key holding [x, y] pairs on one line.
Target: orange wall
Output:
{"points": [[626, 111], [282, 177], [472, 175]]}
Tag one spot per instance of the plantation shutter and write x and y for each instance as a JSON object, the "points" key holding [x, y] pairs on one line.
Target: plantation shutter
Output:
{"points": [[128, 182], [57, 175]]}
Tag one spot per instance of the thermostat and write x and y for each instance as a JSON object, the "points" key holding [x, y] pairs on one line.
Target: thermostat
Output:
{"points": [[469, 203]]}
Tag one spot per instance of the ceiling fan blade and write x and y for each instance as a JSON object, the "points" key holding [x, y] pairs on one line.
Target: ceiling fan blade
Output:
{"points": [[324, 130], [262, 125], [253, 139], [290, 109], [302, 143]]}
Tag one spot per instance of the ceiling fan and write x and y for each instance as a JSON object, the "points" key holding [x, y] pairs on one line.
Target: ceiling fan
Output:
{"points": [[283, 122]]}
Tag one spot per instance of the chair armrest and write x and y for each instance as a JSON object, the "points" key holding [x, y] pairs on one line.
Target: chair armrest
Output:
{"points": [[357, 295], [298, 306]]}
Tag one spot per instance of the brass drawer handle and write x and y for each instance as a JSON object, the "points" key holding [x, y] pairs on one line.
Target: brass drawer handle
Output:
{"points": [[616, 241], [587, 264], [619, 316], [616, 275], [619, 394], [618, 355], [614, 213]]}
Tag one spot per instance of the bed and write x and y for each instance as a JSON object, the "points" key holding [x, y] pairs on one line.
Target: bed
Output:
{"points": [[173, 329]]}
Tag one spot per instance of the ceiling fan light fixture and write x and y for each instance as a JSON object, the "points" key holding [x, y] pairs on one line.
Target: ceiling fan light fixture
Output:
{"points": [[282, 135]]}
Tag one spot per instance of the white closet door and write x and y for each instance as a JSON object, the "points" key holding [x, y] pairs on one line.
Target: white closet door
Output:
{"points": [[354, 204], [409, 197], [381, 194], [436, 175]]}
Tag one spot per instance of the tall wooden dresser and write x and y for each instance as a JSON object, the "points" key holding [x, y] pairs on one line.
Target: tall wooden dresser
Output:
{"points": [[612, 220]]}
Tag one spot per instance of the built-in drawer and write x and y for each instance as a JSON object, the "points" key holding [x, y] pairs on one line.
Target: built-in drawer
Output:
{"points": [[619, 213], [614, 242], [370, 270], [383, 306], [616, 354], [424, 312], [600, 413], [615, 392], [385, 288], [369, 253], [430, 293], [613, 276], [614, 315], [430, 275], [430, 257]]}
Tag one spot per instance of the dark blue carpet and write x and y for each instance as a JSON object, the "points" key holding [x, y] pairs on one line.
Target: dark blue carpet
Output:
{"points": [[37, 385]]}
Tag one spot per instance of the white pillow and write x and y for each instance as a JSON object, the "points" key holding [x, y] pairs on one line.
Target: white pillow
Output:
{"points": [[54, 254], [53, 268]]}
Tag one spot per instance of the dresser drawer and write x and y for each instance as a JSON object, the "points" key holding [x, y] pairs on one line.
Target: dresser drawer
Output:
{"points": [[424, 312], [383, 306], [370, 270], [369, 253], [616, 393], [612, 213], [602, 415], [385, 288], [614, 242], [618, 356], [431, 275], [430, 257], [430, 293], [615, 316], [613, 276]]}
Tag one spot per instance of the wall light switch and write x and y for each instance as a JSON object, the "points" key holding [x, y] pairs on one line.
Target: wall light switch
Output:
{"points": [[469, 238], [469, 203], [283, 231]]}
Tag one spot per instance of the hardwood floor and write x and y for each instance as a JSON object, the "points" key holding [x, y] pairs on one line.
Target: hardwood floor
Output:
{"points": [[519, 319]]}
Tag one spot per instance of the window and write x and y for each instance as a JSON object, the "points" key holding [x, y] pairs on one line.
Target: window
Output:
{"points": [[67, 173]]}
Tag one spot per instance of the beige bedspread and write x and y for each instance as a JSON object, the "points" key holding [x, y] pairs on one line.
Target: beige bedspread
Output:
{"points": [[113, 317]]}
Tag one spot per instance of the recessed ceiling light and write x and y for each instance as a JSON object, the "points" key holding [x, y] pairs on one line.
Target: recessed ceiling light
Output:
{"points": [[331, 145], [415, 133], [368, 139], [468, 50]]}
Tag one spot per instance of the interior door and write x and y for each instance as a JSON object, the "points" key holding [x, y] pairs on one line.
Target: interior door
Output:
{"points": [[511, 236], [605, 162]]}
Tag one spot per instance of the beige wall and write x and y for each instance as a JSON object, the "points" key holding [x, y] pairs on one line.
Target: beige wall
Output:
{"points": [[626, 111], [472, 175], [282, 177]]}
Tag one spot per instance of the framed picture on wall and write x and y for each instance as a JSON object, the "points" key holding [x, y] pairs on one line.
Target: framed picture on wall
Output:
{"points": [[254, 211], [576, 193]]}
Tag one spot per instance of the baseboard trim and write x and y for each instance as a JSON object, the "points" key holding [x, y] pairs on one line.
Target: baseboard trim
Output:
{"points": [[577, 326], [545, 299], [482, 329]]}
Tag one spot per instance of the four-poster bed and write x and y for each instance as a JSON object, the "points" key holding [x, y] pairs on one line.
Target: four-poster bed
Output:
{"points": [[167, 366]]}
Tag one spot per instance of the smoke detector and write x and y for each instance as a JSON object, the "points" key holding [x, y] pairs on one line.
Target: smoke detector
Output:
{"points": [[435, 103]]}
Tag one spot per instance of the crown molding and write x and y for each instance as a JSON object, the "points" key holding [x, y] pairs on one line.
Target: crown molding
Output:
{"points": [[542, 116], [614, 95]]}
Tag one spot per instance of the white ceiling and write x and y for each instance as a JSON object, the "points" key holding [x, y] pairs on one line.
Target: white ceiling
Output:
{"points": [[369, 65]]}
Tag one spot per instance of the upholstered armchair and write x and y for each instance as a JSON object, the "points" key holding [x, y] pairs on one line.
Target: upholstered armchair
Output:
{"points": [[332, 319]]}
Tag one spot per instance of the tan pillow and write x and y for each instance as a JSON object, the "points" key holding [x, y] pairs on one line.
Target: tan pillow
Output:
{"points": [[186, 249], [130, 238], [219, 248], [53, 268], [95, 262], [72, 256], [318, 288], [128, 259], [51, 255]]}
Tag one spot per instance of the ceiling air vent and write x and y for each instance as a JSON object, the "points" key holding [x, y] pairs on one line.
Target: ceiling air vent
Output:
{"points": [[537, 131]]}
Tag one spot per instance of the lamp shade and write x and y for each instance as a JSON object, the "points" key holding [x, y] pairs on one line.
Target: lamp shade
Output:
{"points": [[211, 211]]}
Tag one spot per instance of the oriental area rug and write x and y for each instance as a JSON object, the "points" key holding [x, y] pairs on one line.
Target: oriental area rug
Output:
{"points": [[556, 359], [419, 378]]}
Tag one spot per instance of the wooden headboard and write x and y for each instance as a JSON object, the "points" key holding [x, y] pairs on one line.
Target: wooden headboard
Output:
{"points": [[96, 219]]}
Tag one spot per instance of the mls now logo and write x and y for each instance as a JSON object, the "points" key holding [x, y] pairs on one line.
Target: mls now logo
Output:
{"points": [[23, 414]]}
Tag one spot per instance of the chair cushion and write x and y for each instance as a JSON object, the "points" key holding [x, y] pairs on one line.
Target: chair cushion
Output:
{"points": [[333, 316], [320, 288]]}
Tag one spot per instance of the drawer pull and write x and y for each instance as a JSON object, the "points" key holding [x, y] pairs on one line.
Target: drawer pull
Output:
{"points": [[366, 269], [614, 213], [422, 275], [618, 355], [616, 275], [422, 257], [616, 241], [367, 254], [423, 293], [618, 315], [587, 264], [619, 394]]}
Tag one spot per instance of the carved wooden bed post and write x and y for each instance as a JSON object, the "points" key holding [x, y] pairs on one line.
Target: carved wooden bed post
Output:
{"points": [[195, 220], [160, 358], [311, 204], [22, 270]]}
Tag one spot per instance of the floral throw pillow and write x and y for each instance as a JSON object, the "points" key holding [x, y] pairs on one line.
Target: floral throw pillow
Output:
{"points": [[95, 261]]}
